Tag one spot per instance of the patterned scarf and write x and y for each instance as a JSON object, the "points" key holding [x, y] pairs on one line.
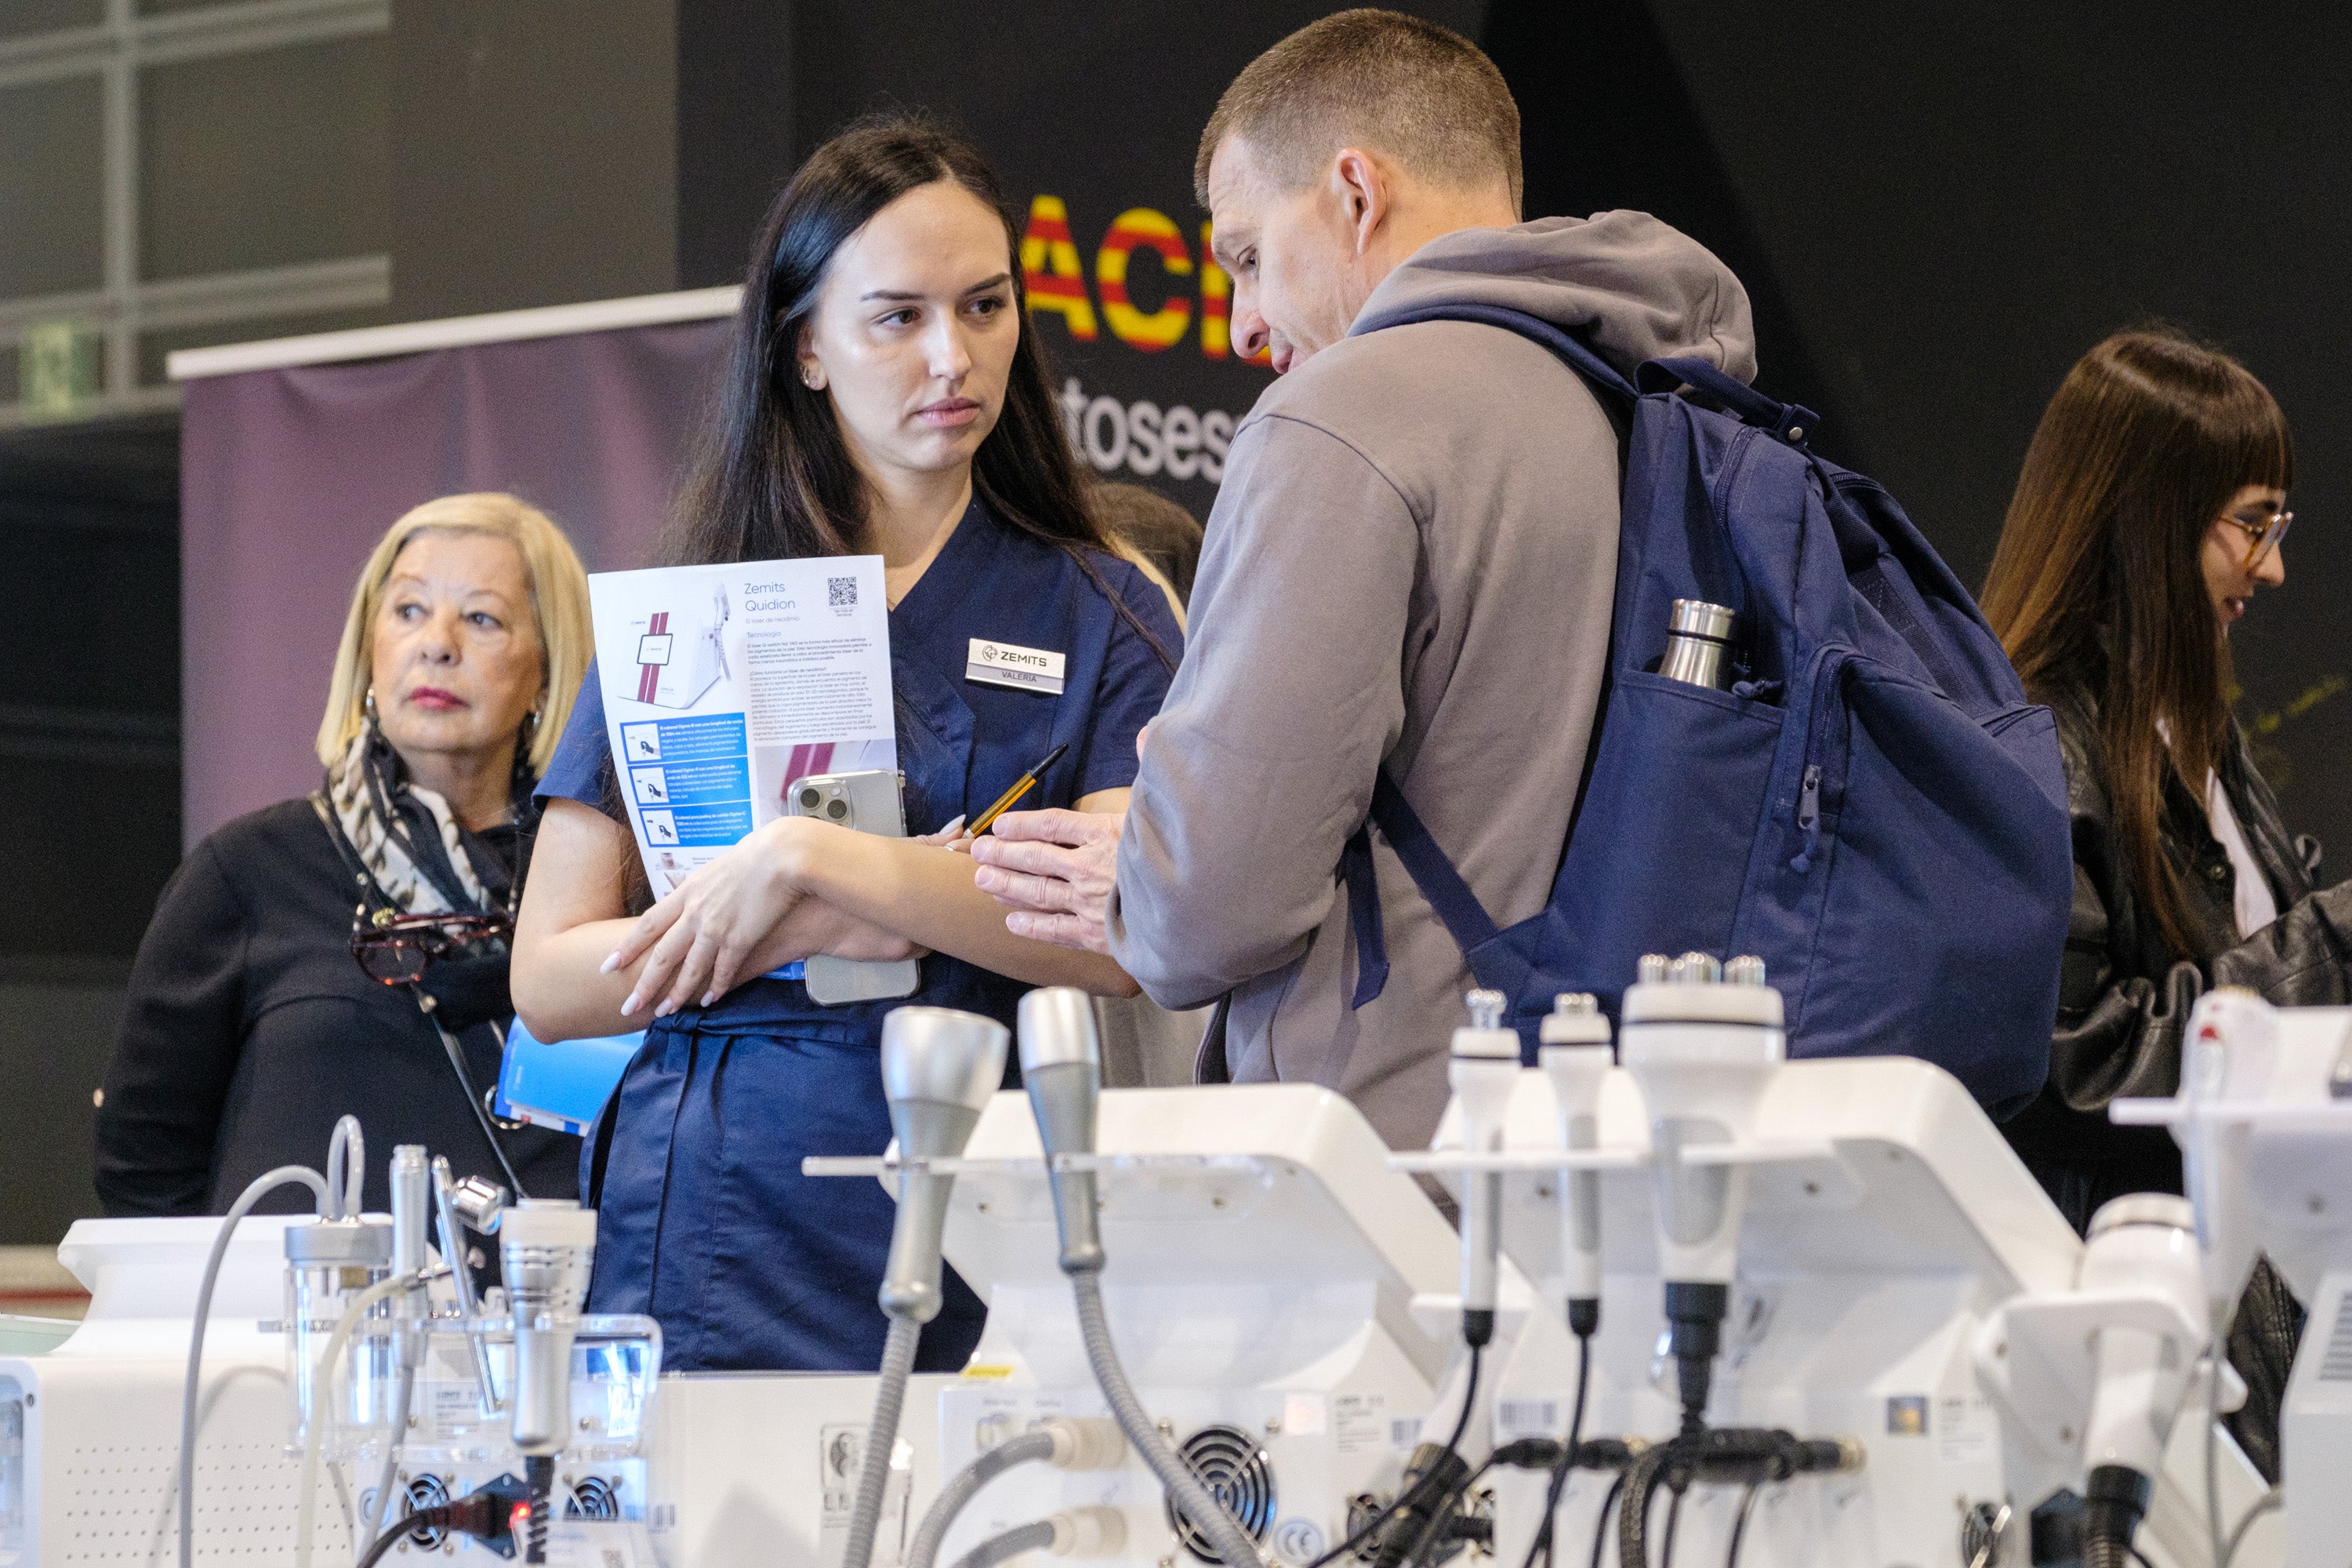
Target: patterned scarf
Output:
{"points": [[405, 835]]}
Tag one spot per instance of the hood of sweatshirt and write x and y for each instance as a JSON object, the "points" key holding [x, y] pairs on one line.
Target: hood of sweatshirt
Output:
{"points": [[1633, 288]]}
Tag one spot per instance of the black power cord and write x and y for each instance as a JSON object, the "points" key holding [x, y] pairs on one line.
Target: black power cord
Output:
{"points": [[1567, 1460], [1600, 1525], [1739, 1523], [1439, 1531], [1419, 1490], [488, 1514]]}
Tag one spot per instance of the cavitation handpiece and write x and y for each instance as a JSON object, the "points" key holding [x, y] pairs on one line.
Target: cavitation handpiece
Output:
{"points": [[1483, 1066], [1704, 1043], [1575, 1055], [546, 1249], [938, 1068], [1061, 1067]]}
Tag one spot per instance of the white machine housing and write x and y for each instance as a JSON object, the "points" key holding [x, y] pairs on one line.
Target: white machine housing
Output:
{"points": [[1886, 1219], [93, 1478], [750, 1470], [2266, 1116], [90, 1429], [1264, 1263]]}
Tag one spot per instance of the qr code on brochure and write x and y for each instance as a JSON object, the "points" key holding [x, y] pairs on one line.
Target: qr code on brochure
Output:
{"points": [[841, 593]]}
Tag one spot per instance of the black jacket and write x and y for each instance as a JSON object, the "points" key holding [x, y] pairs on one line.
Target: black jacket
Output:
{"points": [[2125, 996], [249, 1029]]}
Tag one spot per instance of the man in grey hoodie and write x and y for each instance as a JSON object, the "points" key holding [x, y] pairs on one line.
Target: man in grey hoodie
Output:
{"points": [[1410, 565]]}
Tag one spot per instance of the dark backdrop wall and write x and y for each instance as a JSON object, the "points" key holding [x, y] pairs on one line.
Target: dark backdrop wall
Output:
{"points": [[1936, 208]]}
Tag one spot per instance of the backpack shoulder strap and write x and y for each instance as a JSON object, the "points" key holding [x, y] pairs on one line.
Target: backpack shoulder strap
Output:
{"points": [[1457, 907], [1599, 371]]}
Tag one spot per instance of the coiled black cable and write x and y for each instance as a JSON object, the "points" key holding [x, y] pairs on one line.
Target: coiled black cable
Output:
{"points": [[1633, 1511], [1422, 1485]]}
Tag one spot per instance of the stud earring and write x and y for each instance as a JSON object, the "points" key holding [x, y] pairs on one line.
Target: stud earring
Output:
{"points": [[811, 378]]}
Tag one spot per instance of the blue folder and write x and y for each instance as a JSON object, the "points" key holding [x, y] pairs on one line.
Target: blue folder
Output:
{"points": [[562, 1085]]}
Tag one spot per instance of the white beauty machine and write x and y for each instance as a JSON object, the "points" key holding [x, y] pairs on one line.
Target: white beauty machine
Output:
{"points": [[1913, 1360], [2264, 1122]]}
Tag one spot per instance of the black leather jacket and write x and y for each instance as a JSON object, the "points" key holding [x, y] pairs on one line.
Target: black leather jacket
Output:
{"points": [[2125, 996]]}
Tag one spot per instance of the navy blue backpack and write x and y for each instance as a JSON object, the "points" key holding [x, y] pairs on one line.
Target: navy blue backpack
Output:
{"points": [[1874, 809]]}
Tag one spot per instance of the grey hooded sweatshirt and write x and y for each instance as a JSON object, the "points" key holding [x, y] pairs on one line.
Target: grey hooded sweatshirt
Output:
{"points": [[1411, 564]]}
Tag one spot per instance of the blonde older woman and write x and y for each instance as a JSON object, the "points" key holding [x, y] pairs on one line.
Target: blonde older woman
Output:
{"points": [[261, 1008]]}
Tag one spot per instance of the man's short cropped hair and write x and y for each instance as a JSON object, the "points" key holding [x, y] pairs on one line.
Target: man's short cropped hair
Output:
{"points": [[1422, 94]]}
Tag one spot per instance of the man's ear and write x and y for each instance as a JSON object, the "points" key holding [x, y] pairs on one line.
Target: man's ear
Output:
{"points": [[1362, 185]]}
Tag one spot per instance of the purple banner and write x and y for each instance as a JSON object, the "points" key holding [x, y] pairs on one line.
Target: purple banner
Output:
{"points": [[290, 476]]}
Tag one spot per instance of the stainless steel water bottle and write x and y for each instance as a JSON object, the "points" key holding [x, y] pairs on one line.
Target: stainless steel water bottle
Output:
{"points": [[1698, 634]]}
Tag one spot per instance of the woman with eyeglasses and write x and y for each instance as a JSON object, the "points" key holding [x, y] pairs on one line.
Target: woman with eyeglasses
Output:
{"points": [[346, 952], [2151, 513]]}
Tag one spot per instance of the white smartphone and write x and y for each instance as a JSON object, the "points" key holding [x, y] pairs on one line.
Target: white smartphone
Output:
{"points": [[869, 802]]}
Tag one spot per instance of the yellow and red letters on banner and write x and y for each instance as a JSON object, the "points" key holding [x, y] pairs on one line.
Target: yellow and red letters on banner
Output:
{"points": [[1055, 283]]}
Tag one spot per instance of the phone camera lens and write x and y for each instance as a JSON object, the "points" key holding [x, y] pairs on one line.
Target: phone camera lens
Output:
{"points": [[809, 798], [836, 809]]}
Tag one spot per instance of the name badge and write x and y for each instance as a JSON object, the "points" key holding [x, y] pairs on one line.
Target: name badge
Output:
{"points": [[1004, 664]]}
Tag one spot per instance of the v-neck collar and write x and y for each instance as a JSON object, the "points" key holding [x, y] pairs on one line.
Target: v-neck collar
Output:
{"points": [[945, 581]]}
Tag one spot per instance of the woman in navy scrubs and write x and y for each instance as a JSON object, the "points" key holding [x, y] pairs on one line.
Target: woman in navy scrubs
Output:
{"points": [[882, 397]]}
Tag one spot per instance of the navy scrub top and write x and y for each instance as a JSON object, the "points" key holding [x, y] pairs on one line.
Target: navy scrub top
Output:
{"points": [[706, 1223]]}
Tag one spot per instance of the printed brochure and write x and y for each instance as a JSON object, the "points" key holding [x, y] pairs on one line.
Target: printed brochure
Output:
{"points": [[724, 686]]}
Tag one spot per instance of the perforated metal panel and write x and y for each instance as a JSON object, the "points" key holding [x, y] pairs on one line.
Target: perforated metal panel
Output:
{"points": [[119, 1505]]}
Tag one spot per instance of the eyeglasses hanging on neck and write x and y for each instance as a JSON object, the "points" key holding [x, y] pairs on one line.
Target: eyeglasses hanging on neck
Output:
{"points": [[396, 950]]}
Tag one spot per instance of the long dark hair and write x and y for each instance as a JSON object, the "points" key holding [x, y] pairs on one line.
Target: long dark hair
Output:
{"points": [[2098, 579], [773, 477]]}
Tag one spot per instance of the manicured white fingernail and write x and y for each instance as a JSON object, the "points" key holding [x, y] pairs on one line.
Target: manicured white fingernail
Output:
{"points": [[954, 826], [630, 1005], [611, 963]]}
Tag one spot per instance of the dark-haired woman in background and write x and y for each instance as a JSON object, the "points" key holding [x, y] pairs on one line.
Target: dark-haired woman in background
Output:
{"points": [[882, 397], [2151, 510]]}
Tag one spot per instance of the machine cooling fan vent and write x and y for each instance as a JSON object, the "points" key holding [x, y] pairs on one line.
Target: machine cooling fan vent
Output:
{"points": [[1239, 1473], [421, 1493], [593, 1497]]}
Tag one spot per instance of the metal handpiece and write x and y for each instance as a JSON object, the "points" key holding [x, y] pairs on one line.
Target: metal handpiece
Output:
{"points": [[547, 1247], [939, 1067], [454, 1252], [1061, 1067], [411, 1198]]}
